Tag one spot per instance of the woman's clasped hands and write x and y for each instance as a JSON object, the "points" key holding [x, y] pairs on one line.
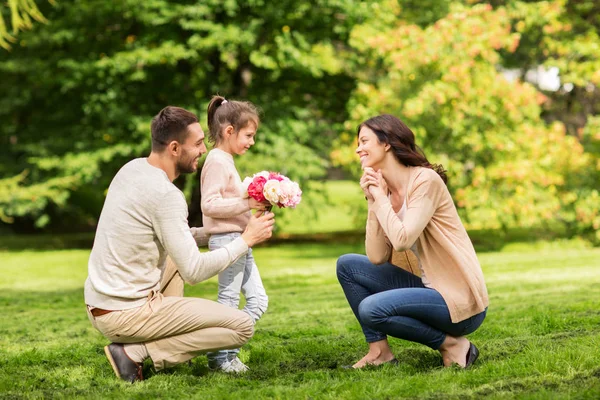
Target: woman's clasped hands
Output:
{"points": [[373, 184]]}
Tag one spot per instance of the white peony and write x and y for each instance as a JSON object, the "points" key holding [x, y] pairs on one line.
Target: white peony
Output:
{"points": [[271, 191]]}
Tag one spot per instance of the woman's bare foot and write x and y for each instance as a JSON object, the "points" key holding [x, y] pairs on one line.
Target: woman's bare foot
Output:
{"points": [[379, 353], [454, 350]]}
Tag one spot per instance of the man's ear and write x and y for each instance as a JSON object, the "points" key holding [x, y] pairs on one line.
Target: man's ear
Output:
{"points": [[174, 147]]}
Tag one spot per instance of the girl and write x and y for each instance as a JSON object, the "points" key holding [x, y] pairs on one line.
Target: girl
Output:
{"points": [[444, 298], [232, 126]]}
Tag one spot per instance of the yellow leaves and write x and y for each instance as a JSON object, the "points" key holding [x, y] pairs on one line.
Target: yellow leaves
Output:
{"points": [[325, 56], [587, 209], [440, 98], [22, 13], [285, 29], [516, 39], [541, 98], [496, 43], [344, 154], [596, 77]]}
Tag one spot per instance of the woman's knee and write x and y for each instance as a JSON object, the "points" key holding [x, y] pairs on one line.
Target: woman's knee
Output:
{"points": [[345, 263], [369, 312]]}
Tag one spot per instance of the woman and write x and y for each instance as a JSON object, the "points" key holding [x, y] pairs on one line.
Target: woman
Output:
{"points": [[439, 296]]}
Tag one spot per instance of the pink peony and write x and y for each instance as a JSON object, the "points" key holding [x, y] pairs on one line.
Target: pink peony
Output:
{"points": [[255, 189], [276, 176]]}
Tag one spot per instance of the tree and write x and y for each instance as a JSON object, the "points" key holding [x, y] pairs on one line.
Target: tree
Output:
{"points": [[79, 93], [507, 167], [564, 34]]}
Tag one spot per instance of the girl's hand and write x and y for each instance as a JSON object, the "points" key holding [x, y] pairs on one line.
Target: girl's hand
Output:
{"points": [[258, 205], [369, 178]]}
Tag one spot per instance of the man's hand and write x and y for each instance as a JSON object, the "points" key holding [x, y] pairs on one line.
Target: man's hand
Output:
{"points": [[258, 205], [260, 228]]}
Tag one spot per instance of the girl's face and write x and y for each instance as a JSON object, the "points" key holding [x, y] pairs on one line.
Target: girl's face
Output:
{"points": [[370, 150], [241, 141]]}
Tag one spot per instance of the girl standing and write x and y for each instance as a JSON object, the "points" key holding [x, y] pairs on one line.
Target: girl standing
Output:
{"points": [[226, 211]]}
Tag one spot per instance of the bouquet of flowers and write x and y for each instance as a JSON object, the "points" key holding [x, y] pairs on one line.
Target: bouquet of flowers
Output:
{"points": [[277, 189]]}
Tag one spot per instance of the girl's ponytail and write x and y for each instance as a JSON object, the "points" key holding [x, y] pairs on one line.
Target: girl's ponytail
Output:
{"points": [[222, 112]]}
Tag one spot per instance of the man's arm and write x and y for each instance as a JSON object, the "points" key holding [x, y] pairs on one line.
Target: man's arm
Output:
{"points": [[172, 230]]}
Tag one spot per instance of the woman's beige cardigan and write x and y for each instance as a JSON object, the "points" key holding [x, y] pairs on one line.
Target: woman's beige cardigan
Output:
{"points": [[447, 255]]}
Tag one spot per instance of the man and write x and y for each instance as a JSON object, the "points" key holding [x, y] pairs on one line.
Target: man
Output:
{"points": [[134, 293]]}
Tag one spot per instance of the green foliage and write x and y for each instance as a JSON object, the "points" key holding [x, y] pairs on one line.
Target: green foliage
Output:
{"points": [[545, 348], [79, 92]]}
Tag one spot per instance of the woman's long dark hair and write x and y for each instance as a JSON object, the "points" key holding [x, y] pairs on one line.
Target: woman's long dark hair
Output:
{"points": [[390, 130]]}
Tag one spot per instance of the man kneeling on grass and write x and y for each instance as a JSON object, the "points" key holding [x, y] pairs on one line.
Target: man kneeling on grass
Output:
{"points": [[143, 252]]}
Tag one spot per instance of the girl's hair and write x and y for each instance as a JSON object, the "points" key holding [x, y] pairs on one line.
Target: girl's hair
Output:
{"points": [[390, 130], [223, 112]]}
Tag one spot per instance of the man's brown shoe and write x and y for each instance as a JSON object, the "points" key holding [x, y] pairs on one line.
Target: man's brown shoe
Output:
{"points": [[124, 367]]}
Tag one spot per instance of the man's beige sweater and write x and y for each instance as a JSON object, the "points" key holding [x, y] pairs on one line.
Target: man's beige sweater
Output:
{"points": [[445, 250], [144, 219]]}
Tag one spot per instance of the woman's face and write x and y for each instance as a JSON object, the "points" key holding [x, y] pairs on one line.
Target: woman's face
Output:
{"points": [[370, 150]]}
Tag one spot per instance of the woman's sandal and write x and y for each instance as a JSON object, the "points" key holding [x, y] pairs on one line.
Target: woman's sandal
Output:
{"points": [[472, 355]]}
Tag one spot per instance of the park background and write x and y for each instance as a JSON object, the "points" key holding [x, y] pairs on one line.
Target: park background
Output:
{"points": [[505, 94]]}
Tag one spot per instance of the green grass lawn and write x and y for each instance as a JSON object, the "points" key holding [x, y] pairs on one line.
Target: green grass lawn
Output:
{"points": [[541, 338]]}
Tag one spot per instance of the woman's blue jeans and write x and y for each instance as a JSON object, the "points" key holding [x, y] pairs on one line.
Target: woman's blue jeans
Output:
{"points": [[388, 300]]}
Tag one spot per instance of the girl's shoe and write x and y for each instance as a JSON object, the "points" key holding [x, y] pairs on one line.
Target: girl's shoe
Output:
{"points": [[240, 365], [234, 366]]}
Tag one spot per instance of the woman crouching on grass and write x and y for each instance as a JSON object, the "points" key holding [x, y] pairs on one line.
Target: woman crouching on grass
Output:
{"points": [[410, 209]]}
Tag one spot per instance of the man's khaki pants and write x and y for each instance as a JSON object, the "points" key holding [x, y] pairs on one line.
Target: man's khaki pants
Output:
{"points": [[176, 328]]}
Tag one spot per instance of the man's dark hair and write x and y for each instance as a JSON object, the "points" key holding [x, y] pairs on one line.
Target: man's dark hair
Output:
{"points": [[170, 124]]}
